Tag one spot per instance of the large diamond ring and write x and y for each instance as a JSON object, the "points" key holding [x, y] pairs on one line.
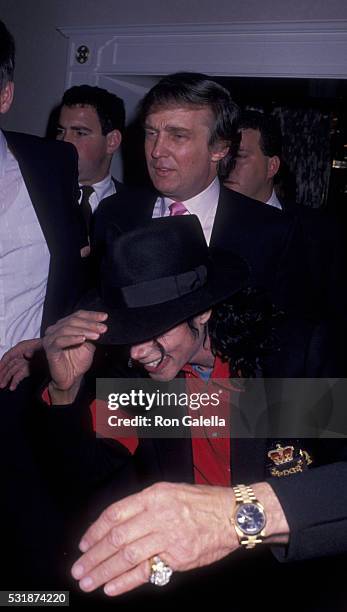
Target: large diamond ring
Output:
{"points": [[160, 572]]}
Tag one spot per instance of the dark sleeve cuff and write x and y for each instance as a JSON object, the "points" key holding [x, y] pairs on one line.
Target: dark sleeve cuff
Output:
{"points": [[315, 505], [77, 456]]}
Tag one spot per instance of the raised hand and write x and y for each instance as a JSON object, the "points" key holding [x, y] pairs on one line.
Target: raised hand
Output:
{"points": [[69, 347]]}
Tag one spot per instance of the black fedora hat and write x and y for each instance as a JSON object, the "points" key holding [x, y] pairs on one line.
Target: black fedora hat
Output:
{"points": [[159, 275]]}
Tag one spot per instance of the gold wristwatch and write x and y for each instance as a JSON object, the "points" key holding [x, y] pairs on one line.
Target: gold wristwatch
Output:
{"points": [[249, 517]]}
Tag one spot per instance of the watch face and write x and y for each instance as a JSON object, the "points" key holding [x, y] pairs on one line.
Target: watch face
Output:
{"points": [[250, 519]]}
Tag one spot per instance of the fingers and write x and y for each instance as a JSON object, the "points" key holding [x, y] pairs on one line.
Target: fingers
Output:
{"points": [[31, 346], [80, 319], [22, 372], [20, 350], [89, 315], [130, 560], [5, 375], [14, 373], [113, 516], [76, 328], [118, 545], [72, 331], [7, 358], [129, 581], [14, 365], [116, 537]]}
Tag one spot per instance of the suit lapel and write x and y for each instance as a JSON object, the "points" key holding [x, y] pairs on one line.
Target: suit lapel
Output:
{"points": [[128, 208], [118, 185], [144, 203], [247, 460], [223, 218]]}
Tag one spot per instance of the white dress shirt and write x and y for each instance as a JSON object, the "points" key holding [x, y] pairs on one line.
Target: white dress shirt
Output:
{"points": [[102, 190], [204, 205], [24, 257], [274, 201]]}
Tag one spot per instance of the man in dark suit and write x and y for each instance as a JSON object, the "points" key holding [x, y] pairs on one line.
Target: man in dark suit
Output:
{"points": [[42, 277], [93, 120], [259, 173], [190, 124]]}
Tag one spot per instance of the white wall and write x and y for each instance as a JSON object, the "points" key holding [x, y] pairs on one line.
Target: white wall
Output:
{"points": [[41, 50]]}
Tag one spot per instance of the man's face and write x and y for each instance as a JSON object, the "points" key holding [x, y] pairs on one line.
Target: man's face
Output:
{"points": [[253, 172], [180, 162], [80, 126], [165, 356]]}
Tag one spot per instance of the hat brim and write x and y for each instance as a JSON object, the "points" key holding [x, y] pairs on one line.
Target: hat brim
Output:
{"points": [[227, 274]]}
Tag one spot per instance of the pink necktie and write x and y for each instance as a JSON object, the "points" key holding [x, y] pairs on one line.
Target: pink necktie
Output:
{"points": [[177, 208]]}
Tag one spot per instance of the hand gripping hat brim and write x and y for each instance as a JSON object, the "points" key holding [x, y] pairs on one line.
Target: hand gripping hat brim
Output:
{"points": [[159, 275]]}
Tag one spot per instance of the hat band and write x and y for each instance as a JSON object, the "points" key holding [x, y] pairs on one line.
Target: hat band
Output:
{"points": [[157, 291]]}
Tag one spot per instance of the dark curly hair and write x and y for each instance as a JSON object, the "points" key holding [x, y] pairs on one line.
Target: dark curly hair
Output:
{"points": [[7, 55], [241, 331]]}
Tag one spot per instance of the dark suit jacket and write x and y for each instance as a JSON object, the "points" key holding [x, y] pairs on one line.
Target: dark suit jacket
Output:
{"points": [[49, 170], [266, 238], [325, 237], [118, 185]]}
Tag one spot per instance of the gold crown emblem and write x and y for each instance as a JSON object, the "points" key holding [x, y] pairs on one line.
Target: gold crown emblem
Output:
{"points": [[281, 454]]}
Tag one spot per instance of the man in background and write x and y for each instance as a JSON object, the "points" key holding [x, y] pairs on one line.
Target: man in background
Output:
{"points": [[258, 159], [93, 120], [259, 173]]}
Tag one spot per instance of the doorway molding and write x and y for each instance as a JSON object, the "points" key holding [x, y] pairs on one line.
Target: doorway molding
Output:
{"points": [[307, 49]]}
